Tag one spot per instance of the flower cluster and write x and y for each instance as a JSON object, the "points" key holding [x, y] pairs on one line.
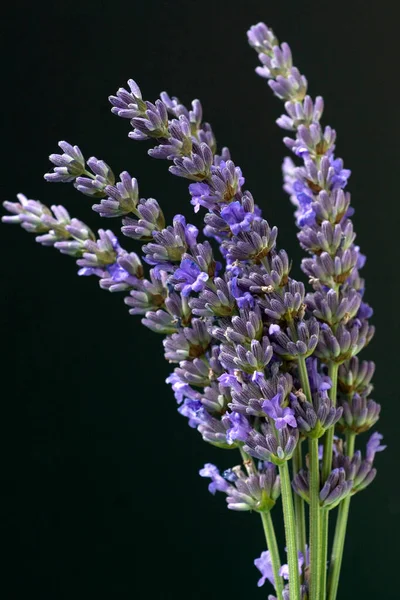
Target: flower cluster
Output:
{"points": [[255, 490], [257, 359], [348, 476]]}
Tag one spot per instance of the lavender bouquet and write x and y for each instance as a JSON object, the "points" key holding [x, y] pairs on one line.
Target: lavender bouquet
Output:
{"points": [[264, 367]]}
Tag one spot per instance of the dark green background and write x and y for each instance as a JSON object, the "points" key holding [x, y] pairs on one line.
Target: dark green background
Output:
{"points": [[101, 496]]}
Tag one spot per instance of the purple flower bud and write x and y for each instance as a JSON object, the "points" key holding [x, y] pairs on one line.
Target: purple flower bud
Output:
{"points": [[290, 345], [95, 185], [345, 342], [355, 376], [151, 219], [332, 308], [68, 165], [359, 414], [151, 120], [179, 140], [128, 104], [148, 295], [253, 245], [275, 446], [122, 197], [261, 38], [189, 342], [197, 166], [171, 243], [214, 303], [249, 360], [285, 306]]}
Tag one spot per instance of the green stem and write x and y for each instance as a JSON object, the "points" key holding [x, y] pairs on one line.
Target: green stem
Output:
{"points": [[265, 262], [273, 551], [315, 509], [269, 530], [324, 550], [326, 469], [290, 532], [328, 442], [340, 532], [305, 382], [299, 508], [350, 442], [315, 522]]}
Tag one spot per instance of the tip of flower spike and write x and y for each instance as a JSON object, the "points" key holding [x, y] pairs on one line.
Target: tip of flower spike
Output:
{"points": [[72, 151], [135, 89]]}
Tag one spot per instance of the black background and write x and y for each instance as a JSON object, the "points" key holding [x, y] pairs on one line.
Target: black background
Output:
{"points": [[101, 496]]}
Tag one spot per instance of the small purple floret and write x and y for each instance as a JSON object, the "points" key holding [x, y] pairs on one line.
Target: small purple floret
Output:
{"points": [[189, 277], [218, 483], [281, 416], [374, 445], [239, 427], [237, 218], [264, 565]]}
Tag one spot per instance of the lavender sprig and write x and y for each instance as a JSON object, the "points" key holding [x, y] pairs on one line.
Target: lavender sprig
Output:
{"points": [[326, 232], [258, 359]]}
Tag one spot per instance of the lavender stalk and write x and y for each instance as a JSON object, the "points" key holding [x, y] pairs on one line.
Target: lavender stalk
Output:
{"points": [[326, 468], [269, 532], [299, 507], [315, 510], [272, 545], [340, 532], [328, 441], [290, 532], [323, 215]]}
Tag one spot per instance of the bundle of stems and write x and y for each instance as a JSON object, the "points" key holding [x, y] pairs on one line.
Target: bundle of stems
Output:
{"points": [[263, 366]]}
